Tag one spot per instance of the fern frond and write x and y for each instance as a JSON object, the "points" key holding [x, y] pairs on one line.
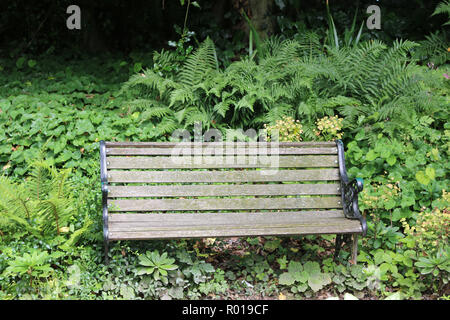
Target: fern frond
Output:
{"points": [[197, 64], [443, 8], [39, 181], [55, 213], [433, 48]]}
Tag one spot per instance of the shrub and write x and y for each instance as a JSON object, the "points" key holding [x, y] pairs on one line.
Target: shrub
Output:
{"points": [[287, 129]]}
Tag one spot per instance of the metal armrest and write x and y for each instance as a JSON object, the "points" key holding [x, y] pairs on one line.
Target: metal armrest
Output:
{"points": [[350, 190]]}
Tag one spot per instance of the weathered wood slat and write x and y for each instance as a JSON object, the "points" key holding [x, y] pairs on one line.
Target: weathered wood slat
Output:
{"points": [[225, 204], [221, 176], [217, 151], [156, 226], [230, 224], [221, 162], [220, 144], [222, 190], [216, 227], [272, 231], [210, 218]]}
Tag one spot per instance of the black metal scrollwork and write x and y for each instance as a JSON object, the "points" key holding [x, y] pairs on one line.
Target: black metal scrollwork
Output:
{"points": [[350, 190]]}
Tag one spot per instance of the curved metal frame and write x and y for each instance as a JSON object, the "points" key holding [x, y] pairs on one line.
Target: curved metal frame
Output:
{"points": [[104, 183], [350, 190]]}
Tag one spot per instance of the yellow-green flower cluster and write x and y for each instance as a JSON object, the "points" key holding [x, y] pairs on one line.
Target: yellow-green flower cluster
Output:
{"points": [[375, 196], [289, 130], [432, 227], [329, 128]]}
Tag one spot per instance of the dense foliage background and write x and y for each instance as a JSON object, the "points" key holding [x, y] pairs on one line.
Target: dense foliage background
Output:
{"points": [[139, 70]]}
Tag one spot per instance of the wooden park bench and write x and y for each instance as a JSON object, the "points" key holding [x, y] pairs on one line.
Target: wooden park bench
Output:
{"points": [[152, 192]]}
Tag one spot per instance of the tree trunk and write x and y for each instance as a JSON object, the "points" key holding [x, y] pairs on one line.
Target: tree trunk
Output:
{"points": [[261, 17], [93, 40]]}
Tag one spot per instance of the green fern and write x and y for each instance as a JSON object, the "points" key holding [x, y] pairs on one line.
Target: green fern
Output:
{"points": [[199, 64], [367, 81], [42, 204], [443, 8], [433, 49]]}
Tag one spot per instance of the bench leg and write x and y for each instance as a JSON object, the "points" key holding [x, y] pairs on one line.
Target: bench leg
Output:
{"points": [[354, 248], [338, 246], [106, 252]]}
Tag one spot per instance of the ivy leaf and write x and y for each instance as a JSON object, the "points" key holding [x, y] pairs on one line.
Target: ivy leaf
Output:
{"points": [[31, 63], [137, 67], [430, 172], [391, 160], [407, 201], [20, 62], [271, 245], [388, 205], [435, 154], [422, 178], [371, 155], [282, 262], [84, 125]]}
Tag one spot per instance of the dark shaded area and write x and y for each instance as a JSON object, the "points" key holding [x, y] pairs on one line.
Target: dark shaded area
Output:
{"points": [[30, 27]]}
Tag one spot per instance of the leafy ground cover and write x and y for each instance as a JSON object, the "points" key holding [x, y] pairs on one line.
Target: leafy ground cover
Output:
{"points": [[390, 109], [61, 117]]}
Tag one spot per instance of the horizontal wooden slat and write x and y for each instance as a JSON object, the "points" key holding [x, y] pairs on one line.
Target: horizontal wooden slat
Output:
{"points": [[217, 151], [161, 221], [225, 204], [175, 219], [222, 190], [221, 176], [229, 224], [220, 144], [227, 162]]}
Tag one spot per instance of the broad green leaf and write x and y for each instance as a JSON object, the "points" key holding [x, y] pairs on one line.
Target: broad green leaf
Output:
{"points": [[295, 266], [430, 172], [20, 62], [371, 155], [422, 178], [318, 281], [286, 279], [31, 63], [391, 160], [311, 267], [137, 67], [301, 276]]}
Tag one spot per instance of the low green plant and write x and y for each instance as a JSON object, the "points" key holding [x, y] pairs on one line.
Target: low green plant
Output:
{"points": [[152, 263], [42, 205], [304, 276], [285, 130], [329, 128], [34, 265]]}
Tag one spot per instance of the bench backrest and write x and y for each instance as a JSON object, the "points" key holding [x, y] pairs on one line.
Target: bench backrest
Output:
{"points": [[156, 177]]}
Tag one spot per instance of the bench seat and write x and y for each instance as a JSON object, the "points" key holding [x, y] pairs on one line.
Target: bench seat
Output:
{"points": [[167, 190], [230, 224]]}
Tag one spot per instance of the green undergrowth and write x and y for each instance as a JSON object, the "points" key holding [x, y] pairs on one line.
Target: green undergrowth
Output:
{"points": [[52, 247]]}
